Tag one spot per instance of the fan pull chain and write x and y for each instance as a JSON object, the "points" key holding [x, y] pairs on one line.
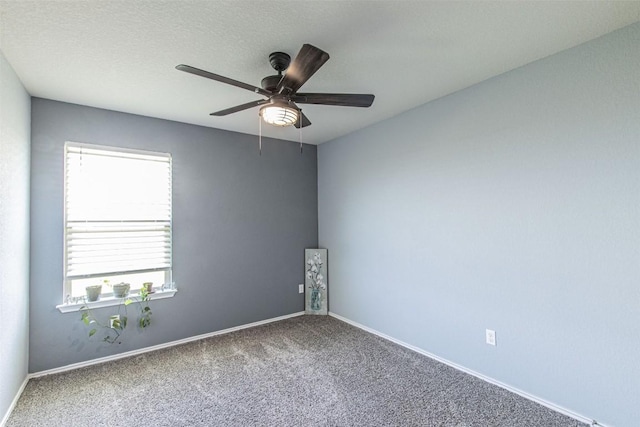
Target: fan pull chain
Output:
{"points": [[260, 136], [300, 129]]}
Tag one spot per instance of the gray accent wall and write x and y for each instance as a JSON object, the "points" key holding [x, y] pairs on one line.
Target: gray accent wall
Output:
{"points": [[241, 222], [14, 234], [512, 205]]}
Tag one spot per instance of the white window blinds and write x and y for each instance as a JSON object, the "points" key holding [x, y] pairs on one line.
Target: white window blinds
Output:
{"points": [[117, 211]]}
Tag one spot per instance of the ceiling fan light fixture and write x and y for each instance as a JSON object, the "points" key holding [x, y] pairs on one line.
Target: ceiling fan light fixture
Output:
{"points": [[279, 114]]}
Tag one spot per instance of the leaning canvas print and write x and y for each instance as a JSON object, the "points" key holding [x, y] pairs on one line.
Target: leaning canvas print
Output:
{"points": [[315, 264]]}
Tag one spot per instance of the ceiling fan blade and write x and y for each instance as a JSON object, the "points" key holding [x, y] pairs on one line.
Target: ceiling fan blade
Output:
{"points": [[240, 107], [221, 79], [306, 63], [342, 99], [305, 121]]}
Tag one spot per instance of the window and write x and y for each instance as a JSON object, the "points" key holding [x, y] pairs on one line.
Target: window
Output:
{"points": [[117, 218]]}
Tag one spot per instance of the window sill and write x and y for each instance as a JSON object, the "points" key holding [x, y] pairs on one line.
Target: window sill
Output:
{"points": [[111, 301]]}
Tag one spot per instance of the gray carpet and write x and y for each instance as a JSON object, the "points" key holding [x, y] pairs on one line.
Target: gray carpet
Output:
{"points": [[304, 371]]}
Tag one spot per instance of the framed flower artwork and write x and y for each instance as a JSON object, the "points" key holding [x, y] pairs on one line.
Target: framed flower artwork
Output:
{"points": [[315, 281]]}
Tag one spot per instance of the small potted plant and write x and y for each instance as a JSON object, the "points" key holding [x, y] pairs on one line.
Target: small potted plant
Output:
{"points": [[148, 287], [93, 292], [121, 290]]}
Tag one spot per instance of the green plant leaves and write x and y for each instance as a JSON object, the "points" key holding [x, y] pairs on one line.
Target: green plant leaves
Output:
{"points": [[144, 321], [118, 322]]}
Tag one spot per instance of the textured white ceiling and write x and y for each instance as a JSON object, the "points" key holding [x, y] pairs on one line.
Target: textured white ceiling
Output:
{"points": [[121, 55]]}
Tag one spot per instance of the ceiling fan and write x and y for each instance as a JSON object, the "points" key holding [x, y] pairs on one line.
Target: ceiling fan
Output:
{"points": [[280, 108]]}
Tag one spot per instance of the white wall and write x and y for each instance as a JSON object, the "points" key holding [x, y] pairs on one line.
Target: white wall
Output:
{"points": [[512, 205], [15, 123]]}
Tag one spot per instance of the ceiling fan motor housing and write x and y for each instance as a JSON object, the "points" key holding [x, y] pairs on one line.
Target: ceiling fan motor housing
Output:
{"points": [[279, 61], [270, 82]]}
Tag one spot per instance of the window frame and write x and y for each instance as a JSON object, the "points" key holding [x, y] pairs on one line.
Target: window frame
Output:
{"points": [[164, 290]]}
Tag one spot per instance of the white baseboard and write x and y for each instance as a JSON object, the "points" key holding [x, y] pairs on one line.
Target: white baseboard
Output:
{"points": [[13, 403], [159, 346], [490, 380]]}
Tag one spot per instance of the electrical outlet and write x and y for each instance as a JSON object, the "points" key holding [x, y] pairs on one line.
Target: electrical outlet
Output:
{"points": [[491, 337], [301, 288]]}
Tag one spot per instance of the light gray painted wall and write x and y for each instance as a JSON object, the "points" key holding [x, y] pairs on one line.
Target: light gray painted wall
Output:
{"points": [[241, 223], [14, 234], [512, 205]]}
